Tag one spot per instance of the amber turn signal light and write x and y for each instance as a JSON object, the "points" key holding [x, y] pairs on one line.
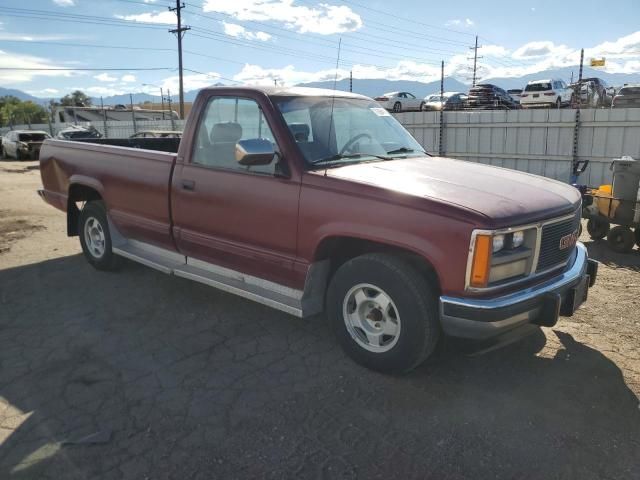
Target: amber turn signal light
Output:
{"points": [[481, 261]]}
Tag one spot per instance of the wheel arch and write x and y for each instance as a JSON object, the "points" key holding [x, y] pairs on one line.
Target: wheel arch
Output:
{"points": [[80, 190], [338, 249]]}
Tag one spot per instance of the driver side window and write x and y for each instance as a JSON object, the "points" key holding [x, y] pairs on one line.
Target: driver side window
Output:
{"points": [[226, 121]]}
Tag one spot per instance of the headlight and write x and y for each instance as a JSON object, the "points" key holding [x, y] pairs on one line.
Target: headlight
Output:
{"points": [[517, 239], [497, 256], [498, 243]]}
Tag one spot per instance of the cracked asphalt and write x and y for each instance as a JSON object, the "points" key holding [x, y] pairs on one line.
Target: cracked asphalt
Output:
{"points": [[136, 375]]}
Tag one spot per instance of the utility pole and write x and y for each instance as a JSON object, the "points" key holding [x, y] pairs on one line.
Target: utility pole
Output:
{"points": [[351, 80], [475, 61], [576, 128], [133, 114], [179, 32], [440, 142]]}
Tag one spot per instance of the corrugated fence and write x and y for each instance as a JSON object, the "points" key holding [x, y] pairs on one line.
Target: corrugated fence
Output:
{"points": [[537, 141]]}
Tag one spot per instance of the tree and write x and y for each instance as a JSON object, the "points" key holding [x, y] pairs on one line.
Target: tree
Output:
{"points": [[76, 99], [14, 111]]}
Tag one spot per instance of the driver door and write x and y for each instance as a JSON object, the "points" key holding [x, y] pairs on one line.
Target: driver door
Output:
{"points": [[239, 217]]}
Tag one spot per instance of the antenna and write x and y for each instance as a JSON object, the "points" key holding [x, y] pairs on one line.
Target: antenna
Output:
{"points": [[333, 99]]}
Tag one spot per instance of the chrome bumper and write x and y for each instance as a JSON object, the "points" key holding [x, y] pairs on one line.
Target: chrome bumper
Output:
{"points": [[540, 304]]}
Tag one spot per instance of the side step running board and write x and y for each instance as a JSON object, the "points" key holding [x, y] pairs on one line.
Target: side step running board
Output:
{"points": [[262, 291]]}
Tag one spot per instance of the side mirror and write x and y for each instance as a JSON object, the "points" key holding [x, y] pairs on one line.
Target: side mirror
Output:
{"points": [[255, 151]]}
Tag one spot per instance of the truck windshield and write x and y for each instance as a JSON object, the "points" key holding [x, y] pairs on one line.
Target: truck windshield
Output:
{"points": [[336, 131]]}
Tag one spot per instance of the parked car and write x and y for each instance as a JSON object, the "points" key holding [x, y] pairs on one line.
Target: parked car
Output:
{"points": [[546, 93], [77, 132], [23, 144], [488, 96], [627, 97], [604, 91], [310, 200], [400, 101], [515, 94], [449, 100], [157, 134]]}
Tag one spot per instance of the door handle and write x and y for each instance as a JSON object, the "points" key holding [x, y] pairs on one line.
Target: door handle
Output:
{"points": [[188, 185]]}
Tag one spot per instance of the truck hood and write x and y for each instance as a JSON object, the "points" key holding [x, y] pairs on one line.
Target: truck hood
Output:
{"points": [[503, 196]]}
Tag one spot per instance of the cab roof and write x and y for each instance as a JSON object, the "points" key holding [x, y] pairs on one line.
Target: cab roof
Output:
{"points": [[291, 91]]}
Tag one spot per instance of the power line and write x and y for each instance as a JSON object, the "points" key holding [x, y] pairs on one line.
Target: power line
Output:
{"points": [[71, 69], [213, 76], [406, 19]]}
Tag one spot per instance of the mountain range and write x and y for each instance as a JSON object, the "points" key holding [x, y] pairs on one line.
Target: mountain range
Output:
{"points": [[373, 87]]}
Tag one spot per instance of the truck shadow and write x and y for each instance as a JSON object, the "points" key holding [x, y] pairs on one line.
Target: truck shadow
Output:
{"points": [[600, 250], [175, 379]]}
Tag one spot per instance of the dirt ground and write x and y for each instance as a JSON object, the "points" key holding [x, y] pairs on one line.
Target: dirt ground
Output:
{"points": [[140, 375]]}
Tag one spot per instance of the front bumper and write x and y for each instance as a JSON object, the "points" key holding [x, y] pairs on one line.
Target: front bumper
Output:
{"points": [[541, 304]]}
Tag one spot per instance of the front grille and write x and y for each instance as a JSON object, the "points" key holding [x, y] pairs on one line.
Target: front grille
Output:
{"points": [[551, 255]]}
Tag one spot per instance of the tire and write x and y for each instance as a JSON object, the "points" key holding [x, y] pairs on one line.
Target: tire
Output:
{"points": [[397, 107], [3, 154], [621, 239], [422, 106], [637, 235], [18, 155], [597, 228], [95, 237], [411, 317], [558, 103]]}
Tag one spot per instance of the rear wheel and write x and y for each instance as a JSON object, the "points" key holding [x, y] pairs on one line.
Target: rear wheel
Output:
{"points": [[422, 106], [621, 239], [558, 102], [597, 228], [383, 312], [397, 107], [95, 237]]}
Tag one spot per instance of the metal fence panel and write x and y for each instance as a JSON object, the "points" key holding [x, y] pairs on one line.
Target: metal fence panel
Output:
{"points": [[538, 141]]}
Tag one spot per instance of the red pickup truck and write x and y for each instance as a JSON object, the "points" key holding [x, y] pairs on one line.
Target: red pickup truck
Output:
{"points": [[311, 200]]}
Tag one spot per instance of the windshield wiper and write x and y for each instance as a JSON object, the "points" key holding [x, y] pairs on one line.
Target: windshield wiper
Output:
{"points": [[339, 156], [401, 150]]}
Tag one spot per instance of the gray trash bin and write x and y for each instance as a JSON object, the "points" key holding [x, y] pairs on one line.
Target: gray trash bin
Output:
{"points": [[626, 187]]}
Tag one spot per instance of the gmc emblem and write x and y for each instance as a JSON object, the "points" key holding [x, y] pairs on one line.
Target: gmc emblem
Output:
{"points": [[569, 240]]}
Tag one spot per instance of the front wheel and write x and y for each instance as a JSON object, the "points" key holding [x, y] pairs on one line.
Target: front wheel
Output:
{"points": [[95, 237], [383, 312], [422, 106]]}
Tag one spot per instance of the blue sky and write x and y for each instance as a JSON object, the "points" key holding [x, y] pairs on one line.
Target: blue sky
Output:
{"points": [[291, 41]]}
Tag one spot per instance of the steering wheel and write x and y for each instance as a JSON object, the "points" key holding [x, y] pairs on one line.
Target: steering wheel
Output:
{"points": [[353, 140]]}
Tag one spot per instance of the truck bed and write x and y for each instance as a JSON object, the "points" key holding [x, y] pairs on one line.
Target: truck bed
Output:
{"points": [[157, 144], [133, 181]]}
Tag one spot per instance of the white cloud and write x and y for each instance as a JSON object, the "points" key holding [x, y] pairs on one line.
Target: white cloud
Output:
{"points": [[191, 82], [539, 49], [45, 92], [164, 18], [238, 31], [289, 75], [128, 78], [16, 60], [324, 19], [458, 22], [64, 3], [35, 37], [105, 77]]}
